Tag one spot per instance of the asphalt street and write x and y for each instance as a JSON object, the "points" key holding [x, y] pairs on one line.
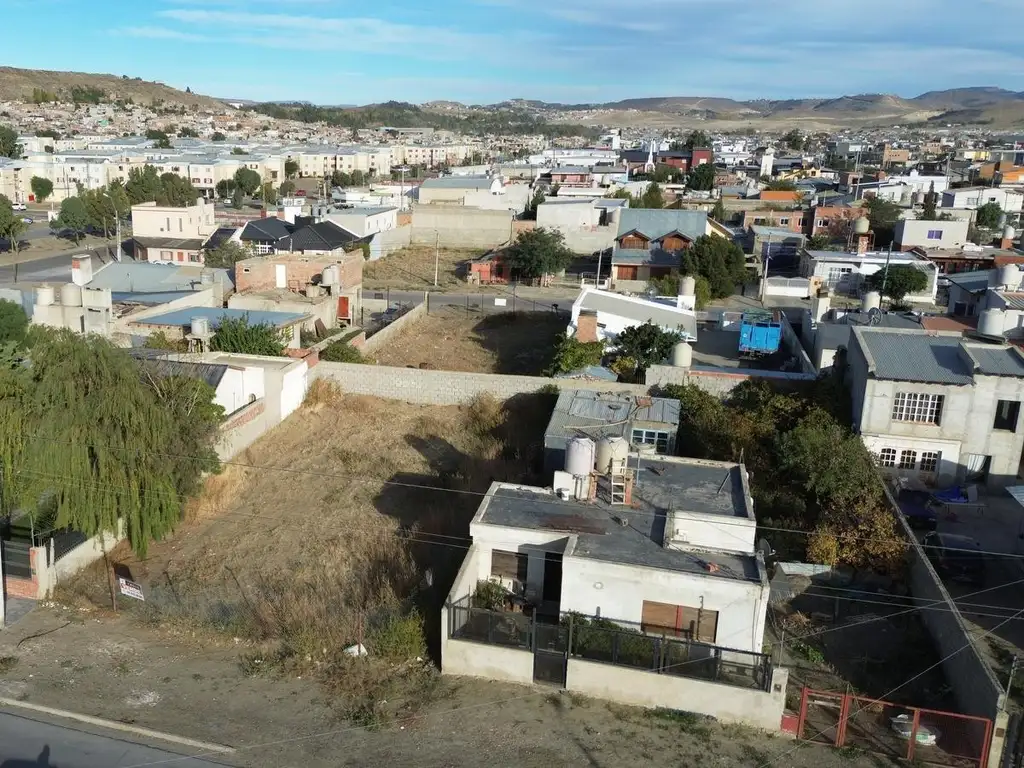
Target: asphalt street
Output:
{"points": [[32, 743]]}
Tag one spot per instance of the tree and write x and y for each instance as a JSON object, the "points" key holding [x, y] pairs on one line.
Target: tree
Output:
{"points": [[793, 140], [41, 188], [895, 282], [701, 292], [120, 447], [225, 188], [13, 323], [176, 191], [571, 354], [248, 181], [819, 242], [718, 213], [696, 140], [269, 193], [341, 179], [227, 254], [719, 261], [341, 352], [187, 133], [119, 201], [930, 203], [9, 146], [883, 215], [535, 202], [287, 188], [11, 225], [291, 168], [651, 198], [144, 185], [74, 216], [702, 177], [238, 151], [238, 336], [988, 215], [538, 252], [98, 210], [218, 136], [237, 199], [160, 139], [646, 344]]}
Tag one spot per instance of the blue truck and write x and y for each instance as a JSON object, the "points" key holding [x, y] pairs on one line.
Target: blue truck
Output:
{"points": [[760, 334]]}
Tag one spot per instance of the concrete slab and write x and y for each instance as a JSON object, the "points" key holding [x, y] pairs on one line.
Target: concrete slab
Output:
{"points": [[17, 608]]}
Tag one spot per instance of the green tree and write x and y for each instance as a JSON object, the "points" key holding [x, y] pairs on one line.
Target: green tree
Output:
{"points": [[718, 213], [896, 281], [883, 215], [238, 336], [702, 178], [341, 179], [9, 146], [538, 252], [697, 140], [248, 181], [119, 201], [99, 210], [341, 352], [535, 202], [988, 215], [176, 191], [41, 188], [99, 459], [73, 216], [187, 133], [238, 151], [13, 323], [646, 344], [819, 242], [269, 193], [793, 140], [930, 203], [225, 188], [160, 139], [144, 185], [719, 261], [287, 188], [237, 199], [11, 225], [571, 354], [291, 168], [780, 185], [218, 136], [701, 292], [651, 198]]}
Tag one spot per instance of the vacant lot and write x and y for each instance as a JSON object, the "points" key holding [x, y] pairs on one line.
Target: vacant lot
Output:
{"points": [[412, 269], [451, 339]]}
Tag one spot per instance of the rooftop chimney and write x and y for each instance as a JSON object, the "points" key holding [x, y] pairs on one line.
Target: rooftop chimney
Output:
{"points": [[586, 326]]}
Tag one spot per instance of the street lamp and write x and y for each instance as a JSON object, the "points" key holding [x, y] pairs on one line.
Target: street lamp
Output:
{"points": [[404, 169]]}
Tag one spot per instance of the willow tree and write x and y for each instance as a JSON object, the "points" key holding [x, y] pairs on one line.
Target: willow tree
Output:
{"points": [[100, 441]]}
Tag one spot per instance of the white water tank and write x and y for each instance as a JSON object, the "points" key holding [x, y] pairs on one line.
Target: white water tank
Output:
{"points": [[612, 455], [907, 198], [1009, 232], [861, 225], [206, 278], [331, 275], [919, 198], [200, 326], [991, 322], [71, 295], [687, 286], [44, 296], [314, 291], [682, 355], [1009, 276], [871, 300], [579, 456]]}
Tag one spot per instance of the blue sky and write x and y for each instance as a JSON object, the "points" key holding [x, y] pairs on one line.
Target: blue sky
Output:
{"points": [[481, 51]]}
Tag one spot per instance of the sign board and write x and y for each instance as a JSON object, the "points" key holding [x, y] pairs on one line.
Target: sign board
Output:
{"points": [[130, 589], [500, 302]]}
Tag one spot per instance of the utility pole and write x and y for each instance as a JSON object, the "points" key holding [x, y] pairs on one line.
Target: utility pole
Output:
{"points": [[437, 254], [885, 276], [764, 268]]}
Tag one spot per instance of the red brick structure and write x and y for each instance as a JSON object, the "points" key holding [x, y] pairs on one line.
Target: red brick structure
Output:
{"points": [[261, 273]]}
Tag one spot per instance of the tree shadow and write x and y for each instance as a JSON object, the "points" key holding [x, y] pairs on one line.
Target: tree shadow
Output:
{"points": [[522, 342]]}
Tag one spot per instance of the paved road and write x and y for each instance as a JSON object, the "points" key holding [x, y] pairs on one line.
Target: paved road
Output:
{"points": [[32, 743]]}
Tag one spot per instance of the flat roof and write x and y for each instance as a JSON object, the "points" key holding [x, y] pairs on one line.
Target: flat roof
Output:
{"points": [[664, 485], [935, 357], [215, 315]]}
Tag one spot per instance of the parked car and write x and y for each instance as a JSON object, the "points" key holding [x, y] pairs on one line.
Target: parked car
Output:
{"points": [[28, 220], [19, 206], [955, 557]]}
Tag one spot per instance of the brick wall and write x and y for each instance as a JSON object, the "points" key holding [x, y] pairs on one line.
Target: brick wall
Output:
{"points": [[21, 588], [245, 415], [262, 272]]}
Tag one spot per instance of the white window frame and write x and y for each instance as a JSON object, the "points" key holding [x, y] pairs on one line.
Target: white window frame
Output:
{"points": [[918, 407], [887, 457], [656, 437]]}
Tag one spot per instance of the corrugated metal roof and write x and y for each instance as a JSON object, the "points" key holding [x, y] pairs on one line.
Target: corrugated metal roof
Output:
{"points": [[997, 360], [655, 223], [600, 414], [971, 281], [1013, 299], [910, 356]]}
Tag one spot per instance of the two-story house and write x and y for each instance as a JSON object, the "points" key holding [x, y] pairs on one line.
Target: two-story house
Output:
{"points": [[166, 234], [649, 244], [936, 406]]}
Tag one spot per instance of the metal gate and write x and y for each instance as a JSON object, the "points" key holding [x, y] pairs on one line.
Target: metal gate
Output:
{"points": [[550, 653], [16, 559]]}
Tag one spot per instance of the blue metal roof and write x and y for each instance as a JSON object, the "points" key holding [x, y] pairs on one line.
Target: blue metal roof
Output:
{"points": [[184, 317]]}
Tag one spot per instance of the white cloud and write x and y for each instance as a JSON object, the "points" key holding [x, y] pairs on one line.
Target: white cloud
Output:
{"points": [[161, 33]]}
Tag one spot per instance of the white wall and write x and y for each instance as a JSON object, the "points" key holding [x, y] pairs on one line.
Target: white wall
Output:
{"points": [[293, 388], [911, 232], [693, 530], [239, 387]]}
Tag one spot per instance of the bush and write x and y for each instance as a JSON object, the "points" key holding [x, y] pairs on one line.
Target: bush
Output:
{"points": [[399, 638], [341, 352], [489, 595]]}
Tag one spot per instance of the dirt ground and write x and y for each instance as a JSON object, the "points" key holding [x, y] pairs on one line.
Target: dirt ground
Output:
{"points": [[191, 685], [412, 268], [450, 339]]}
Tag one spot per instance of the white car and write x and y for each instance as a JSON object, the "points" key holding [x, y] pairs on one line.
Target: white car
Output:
{"points": [[19, 207]]}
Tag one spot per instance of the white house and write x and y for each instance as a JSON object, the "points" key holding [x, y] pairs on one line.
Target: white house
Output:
{"points": [[604, 315], [845, 272], [364, 222], [911, 233], [937, 407], [1010, 200]]}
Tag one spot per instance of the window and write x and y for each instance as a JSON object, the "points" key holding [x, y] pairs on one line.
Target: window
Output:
{"points": [[819, 223], [887, 457], [1007, 412], [930, 461], [509, 565], [917, 407], [679, 621], [908, 459], [934, 234], [784, 221], [651, 437], [836, 275], [193, 257]]}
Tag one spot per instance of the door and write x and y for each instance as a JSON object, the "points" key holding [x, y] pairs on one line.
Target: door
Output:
{"points": [[552, 590], [343, 308], [281, 275]]}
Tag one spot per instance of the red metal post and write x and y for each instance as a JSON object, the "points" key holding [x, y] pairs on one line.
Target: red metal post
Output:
{"points": [[844, 715], [803, 713], [913, 734]]}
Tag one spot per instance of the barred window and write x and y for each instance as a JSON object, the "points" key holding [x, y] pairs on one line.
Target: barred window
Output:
{"points": [[908, 459], [651, 437], [887, 457], [917, 407], [930, 461]]}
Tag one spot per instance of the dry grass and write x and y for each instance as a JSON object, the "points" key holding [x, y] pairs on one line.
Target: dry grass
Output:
{"points": [[450, 339], [17, 84], [412, 268], [217, 492]]}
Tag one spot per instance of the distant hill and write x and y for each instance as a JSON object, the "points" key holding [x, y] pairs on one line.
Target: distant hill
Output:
{"points": [[19, 84]]}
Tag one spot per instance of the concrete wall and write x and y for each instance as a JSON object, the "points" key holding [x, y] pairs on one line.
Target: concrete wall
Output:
{"points": [[82, 556], [388, 333], [414, 385], [464, 657], [324, 309], [717, 381], [242, 430], [389, 241], [459, 227], [912, 232], [650, 689], [792, 343]]}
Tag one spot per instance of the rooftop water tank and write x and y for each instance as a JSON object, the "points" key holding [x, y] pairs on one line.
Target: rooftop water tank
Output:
{"points": [[688, 286], [579, 456], [907, 198], [861, 225], [1009, 276], [682, 355], [331, 275], [44, 296], [1002, 220], [314, 291], [991, 322], [919, 198], [871, 300], [206, 278], [612, 455], [200, 326], [70, 295], [1009, 232]]}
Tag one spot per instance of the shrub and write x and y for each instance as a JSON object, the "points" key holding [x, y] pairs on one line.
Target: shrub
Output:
{"points": [[341, 352], [399, 638], [489, 595]]}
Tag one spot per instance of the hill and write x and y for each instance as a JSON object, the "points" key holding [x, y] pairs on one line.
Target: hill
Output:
{"points": [[19, 84]]}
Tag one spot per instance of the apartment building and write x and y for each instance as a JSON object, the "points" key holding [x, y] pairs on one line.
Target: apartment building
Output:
{"points": [[1010, 200]]}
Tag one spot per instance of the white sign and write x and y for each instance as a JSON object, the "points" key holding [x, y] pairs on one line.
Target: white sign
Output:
{"points": [[500, 302], [130, 589]]}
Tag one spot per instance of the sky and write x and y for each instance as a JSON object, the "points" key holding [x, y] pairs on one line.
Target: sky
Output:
{"points": [[483, 51]]}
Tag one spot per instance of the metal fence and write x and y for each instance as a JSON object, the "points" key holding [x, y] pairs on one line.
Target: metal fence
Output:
{"points": [[921, 736], [513, 630], [17, 562]]}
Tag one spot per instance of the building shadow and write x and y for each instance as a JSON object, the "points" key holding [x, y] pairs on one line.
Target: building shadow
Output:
{"points": [[522, 341]]}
